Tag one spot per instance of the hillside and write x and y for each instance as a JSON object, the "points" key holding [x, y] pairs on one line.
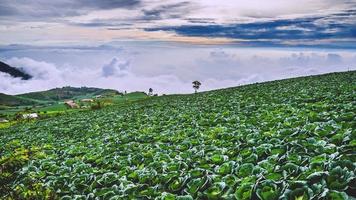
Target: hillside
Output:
{"points": [[14, 72], [53, 95], [289, 139], [59, 94], [9, 100]]}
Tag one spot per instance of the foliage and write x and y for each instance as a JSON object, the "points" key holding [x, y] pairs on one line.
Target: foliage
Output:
{"points": [[289, 139], [64, 93], [108, 97], [196, 85], [9, 100]]}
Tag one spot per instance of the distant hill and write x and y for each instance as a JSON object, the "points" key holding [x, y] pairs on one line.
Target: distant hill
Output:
{"points": [[9, 100], [59, 94], [54, 95], [14, 72]]}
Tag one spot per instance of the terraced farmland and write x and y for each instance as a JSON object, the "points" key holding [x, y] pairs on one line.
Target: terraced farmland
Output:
{"points": [[290, 139]]}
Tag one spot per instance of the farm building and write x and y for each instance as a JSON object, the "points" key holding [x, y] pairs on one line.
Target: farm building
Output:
{"points": [[71, 104]]}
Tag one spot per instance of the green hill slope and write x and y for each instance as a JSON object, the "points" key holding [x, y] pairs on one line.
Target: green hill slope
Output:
{"points": [[59, 94], [53, 95], [9, 100], [289, 139]]}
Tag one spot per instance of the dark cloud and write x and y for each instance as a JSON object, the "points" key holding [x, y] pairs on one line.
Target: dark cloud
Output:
{"points": [[165, 11], [119, 29], [40, 9], [7, 10], [304, 28], [336, 26], [200, 20], [104, 23], [108, 4], [169, 11], [147, 14]]}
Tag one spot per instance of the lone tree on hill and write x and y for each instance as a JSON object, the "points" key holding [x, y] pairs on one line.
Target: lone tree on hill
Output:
{"points": [[196, 85], [150, 92]]}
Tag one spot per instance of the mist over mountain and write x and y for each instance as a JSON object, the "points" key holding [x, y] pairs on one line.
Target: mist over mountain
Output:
{"points": [[14, 72]]}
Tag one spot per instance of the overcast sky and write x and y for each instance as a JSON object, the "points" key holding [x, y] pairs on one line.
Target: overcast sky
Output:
{"points": [[282, 22], [136, 44]]}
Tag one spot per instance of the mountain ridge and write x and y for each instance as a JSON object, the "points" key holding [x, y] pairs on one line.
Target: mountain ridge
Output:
{"points": [[14, 72]]}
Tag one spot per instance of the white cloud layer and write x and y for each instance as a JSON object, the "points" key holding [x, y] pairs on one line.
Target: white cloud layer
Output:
{"points": [[166, 69]]}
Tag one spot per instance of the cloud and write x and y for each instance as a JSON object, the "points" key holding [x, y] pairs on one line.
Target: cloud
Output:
{"points": [[254, 23], [166, 69], [38, 70], [333, 58], [145, 15], [115, 75], [276, 31], [220, 54], [302, 59], [45, 76], [167, 11], [116, 68], [39, 9]]}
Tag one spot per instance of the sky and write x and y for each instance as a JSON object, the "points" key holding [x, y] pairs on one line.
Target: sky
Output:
{"points": [[137, 44]]}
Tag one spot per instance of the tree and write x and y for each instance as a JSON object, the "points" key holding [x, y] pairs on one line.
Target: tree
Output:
{"points": [[196, 85], [150, 92]]}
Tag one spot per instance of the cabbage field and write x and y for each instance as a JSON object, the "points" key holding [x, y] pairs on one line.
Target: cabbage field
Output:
{"points": [[292, 139]]}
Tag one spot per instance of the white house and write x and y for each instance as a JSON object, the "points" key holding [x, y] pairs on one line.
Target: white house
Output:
{"points": [[30, 116]]}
